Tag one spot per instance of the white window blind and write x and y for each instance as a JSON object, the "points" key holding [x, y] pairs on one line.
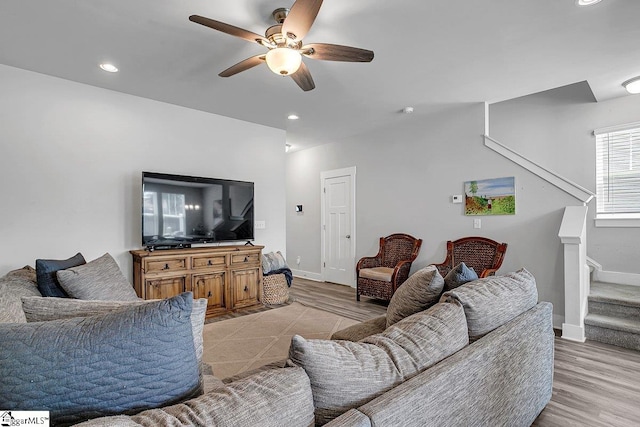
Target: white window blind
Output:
{"points": [[618, 171]]}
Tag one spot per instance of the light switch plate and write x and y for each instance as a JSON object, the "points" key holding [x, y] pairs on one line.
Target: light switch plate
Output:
{"points": [[456, 198], [477, 223]]}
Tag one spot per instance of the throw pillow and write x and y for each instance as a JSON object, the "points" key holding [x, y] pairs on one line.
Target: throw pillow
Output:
{"points": [[13, 285], [346, 374], [493, 301], [38, 309], [273, 261], [137, 358], [46, 273], [459, 275], [420, 291], [100, 279]]}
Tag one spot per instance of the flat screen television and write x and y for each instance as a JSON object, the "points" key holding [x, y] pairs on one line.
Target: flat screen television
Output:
{"points": [[178, 211]]}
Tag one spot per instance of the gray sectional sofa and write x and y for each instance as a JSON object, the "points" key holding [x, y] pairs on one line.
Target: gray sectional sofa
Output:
{"points": [[481, 355]]}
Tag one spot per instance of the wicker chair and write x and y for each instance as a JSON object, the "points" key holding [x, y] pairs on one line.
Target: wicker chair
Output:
{"points": [[380, 276], [484, 255]]}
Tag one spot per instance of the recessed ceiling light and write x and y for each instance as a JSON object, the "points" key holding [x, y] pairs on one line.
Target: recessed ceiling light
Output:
{"points": [[293, 117], [587, 2], [407, 110], [632, 85], [109, 67]]}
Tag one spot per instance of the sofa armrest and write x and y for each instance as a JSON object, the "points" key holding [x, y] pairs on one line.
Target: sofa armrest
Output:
{"points": [[362, 330]]}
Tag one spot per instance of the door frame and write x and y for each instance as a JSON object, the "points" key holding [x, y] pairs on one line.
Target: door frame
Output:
{"points": [[335, 173]]}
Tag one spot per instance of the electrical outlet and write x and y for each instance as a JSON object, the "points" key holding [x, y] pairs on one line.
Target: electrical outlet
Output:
{"points": [[477, 223], [261, 225], [456, 198], [298, 259]]}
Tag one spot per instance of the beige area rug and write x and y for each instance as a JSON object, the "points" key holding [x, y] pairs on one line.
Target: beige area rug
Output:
{"points": [[237, 345]]}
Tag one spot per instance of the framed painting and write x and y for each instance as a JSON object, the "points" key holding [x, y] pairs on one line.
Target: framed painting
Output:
{"points": [[495, 196]]}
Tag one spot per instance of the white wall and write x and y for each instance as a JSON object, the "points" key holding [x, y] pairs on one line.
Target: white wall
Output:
{"points": [[407, 172], [555, 129], [72, 156]]}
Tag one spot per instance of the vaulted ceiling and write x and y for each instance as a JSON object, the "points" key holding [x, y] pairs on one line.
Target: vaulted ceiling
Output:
{"points": [[428, 54]]}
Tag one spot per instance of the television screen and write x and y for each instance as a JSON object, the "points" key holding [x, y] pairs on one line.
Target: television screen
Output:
{"points": [[180, 210]]}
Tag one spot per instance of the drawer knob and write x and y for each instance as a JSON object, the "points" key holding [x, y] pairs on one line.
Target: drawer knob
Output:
{"points": [[246, 259], [209, 263], [246, 289], [209, 295], [166, 266]]}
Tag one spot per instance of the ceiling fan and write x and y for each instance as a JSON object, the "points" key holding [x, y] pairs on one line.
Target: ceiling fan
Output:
{"points": [[284, 41]]}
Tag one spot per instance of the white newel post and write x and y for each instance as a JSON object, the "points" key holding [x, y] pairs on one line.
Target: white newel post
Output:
{"points": [[573, 235]]}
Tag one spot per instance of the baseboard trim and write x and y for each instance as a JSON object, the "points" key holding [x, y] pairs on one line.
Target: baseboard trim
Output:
{"points": [[631, 279], [307, 275], [573, 332]]}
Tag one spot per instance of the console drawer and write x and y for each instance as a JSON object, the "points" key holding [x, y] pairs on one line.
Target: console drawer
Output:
{"points": [[167, 264], [245, 259], [209, 261]]}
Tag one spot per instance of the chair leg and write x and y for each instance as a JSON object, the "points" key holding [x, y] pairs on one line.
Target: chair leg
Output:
{"points": [[357, 297]]}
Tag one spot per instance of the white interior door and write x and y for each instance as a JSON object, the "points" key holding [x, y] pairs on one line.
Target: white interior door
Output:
{"points": [[338, 227]]}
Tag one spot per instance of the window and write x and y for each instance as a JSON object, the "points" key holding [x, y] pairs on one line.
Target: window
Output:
{"points": [[618, 172], [173, 214]]}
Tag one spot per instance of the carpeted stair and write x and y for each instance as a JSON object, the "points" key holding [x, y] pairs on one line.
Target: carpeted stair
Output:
{"points": [[614, 315]]}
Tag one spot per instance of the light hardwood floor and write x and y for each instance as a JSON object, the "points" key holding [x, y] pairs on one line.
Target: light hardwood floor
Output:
{"points": [[594, 384]]}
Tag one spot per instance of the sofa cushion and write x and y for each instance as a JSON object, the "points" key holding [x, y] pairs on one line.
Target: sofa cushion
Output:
{"points": [[346, 374], [459, 275], [420, 291], [100, 279], [38, 309], [126, 361], [14, 285], [493, 301], [384, 274], [272, 398], [46, 269], [362, 330]]}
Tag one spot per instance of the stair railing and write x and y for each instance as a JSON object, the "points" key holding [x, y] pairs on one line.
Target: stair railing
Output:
{"points": [[573, 235]]}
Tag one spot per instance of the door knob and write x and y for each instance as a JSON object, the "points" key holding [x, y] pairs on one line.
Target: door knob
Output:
{"points": [[348, 236]]}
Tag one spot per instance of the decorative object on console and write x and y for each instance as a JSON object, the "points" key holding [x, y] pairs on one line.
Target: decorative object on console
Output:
{"points": [[490, 197], [484, 255], [419, 292], [380, 276], [100, 279], [46, 269]]}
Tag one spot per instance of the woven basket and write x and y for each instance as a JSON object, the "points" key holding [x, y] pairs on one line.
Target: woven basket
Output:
{"points": [[275, 289]]}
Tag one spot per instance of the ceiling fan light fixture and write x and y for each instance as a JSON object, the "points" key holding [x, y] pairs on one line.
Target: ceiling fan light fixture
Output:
{"points": [[587, 2], [632, 85], [110, 68], [283, 60]]}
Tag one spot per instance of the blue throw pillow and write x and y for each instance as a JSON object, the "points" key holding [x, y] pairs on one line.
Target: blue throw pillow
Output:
{"points": [[459, 275], [123, 362], [46, 274]]}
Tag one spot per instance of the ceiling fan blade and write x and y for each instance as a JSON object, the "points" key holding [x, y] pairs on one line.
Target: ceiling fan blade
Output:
{"points": [[303, 78], [230, 29], [335, 52], [300, 18], [243, 65]]}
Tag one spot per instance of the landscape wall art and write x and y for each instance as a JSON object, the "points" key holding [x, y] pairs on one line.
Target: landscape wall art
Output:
{"points": [[495, 196]]}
